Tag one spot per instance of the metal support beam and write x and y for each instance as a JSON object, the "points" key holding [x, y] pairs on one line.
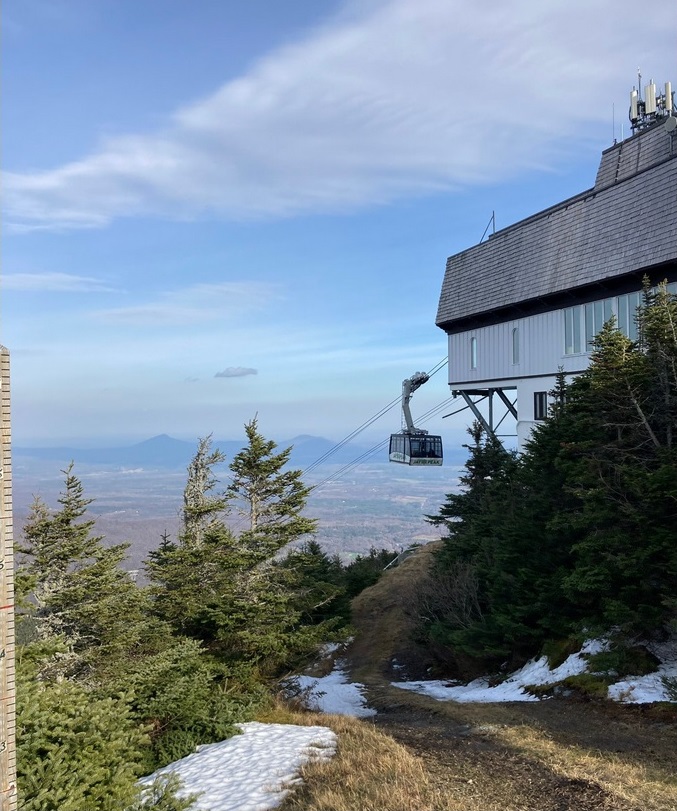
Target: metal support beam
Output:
{"points": [[478, 414], [510, 406], [489, 425]]}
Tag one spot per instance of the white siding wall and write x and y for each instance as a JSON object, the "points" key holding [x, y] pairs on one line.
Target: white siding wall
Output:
{"points": [[541, 354], [541, 351]]}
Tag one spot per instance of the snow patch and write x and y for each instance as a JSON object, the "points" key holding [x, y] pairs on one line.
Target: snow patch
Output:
{"points": [[637, 690], [649, 688], [253, 771], [333, 694]]}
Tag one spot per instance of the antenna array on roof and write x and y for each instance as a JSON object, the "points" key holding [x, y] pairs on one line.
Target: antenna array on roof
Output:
{"points": [[652, 108]]}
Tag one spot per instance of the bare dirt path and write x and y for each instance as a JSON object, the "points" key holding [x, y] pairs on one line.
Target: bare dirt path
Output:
{"points": [[554, 755]]}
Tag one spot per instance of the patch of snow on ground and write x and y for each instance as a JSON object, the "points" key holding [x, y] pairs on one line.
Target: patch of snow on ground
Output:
{"points": [[253, 771], [632, 690], [537, 671], [645, 689], [334, 694]]}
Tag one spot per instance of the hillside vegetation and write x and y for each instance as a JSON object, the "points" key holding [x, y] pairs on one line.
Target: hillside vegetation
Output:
{"points": [[563, 754], [575, 537], [116, 679]]}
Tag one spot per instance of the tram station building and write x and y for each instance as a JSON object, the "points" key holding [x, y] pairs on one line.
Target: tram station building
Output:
{"points": [[528, 301]]}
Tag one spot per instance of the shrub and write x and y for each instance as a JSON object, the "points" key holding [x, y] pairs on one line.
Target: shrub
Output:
{"points": [[623, 660], [75, 752]]}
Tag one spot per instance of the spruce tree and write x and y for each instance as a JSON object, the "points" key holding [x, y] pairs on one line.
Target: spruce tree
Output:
{"points": [[578, 533], [76, 751], [227, 590], [270, 498], [201, 508], [76, 591]]}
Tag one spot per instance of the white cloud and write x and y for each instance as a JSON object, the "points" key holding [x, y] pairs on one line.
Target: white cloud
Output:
{"points": [[392, 98], [197, 304], [237, 371], [53, 283]]}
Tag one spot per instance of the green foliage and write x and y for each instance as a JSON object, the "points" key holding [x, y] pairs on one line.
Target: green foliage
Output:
{"points": [[623, 660], [557, 651], [118, 679], [365, 570], [326, 586], [74, 589], [270, 498], [180, 694], [88, 636], [230, 590], [75, 751], [321, 594], [200, 507], [162, 795], [590, 685]]}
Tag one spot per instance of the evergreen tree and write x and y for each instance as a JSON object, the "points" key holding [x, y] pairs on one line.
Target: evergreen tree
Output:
{"points": [[270, 498], [320, 593], [201, 509], [228, 590], [579, 531], [625, 565], [75, 751], [76, 591]]}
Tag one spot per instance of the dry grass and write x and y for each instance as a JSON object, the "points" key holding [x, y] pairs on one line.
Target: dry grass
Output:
{"points": [[423, 755], [370, 772], [382, 615], [651, 788]]}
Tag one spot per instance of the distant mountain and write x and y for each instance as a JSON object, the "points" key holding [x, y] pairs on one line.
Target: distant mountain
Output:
{"points": [[163, 451]]}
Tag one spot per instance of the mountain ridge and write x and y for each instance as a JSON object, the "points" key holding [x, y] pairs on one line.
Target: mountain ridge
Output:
{"points": [[164, 451]]}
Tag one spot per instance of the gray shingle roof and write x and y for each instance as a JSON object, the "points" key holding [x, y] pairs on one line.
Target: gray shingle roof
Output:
{"points": [[627, 222]]}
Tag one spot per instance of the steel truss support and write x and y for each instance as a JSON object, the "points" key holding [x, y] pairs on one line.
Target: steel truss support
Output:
{"points": [[488, 423]]}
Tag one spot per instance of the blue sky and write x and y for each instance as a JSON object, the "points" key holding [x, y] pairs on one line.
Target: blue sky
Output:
{"points": [[218, 209]]}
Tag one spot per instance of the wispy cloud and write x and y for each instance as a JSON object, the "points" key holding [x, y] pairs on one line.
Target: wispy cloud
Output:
{"points": [[197, 304], [390, 98], [237, 371], [53, 283]]}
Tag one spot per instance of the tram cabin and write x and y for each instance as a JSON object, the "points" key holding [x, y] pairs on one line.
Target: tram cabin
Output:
{"points": [[416, 449]]}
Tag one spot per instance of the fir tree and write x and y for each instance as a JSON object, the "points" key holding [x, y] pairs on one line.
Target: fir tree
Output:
{"points": [[201, 509], [75, 751], [228, 590], [76, 590], [270, 498]]}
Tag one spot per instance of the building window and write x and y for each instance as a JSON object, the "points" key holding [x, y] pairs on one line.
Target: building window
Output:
{"points": [[597, 313], [572, 330], [473, 353], [515, 346], [627, 314], [540, 405]]}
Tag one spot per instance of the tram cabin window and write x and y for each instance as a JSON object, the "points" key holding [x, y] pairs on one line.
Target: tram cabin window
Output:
{"points": [[428, 447]]}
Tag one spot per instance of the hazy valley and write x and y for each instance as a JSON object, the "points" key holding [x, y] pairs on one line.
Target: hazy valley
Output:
{"points": [[137, 492]]}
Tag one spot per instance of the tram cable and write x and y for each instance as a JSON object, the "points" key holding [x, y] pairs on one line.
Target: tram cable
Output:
{"points": [[350, 466], [436, 368]]}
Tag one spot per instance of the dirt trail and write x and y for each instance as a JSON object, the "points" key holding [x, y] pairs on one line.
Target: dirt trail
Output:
{"points": [[554, 755]]}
